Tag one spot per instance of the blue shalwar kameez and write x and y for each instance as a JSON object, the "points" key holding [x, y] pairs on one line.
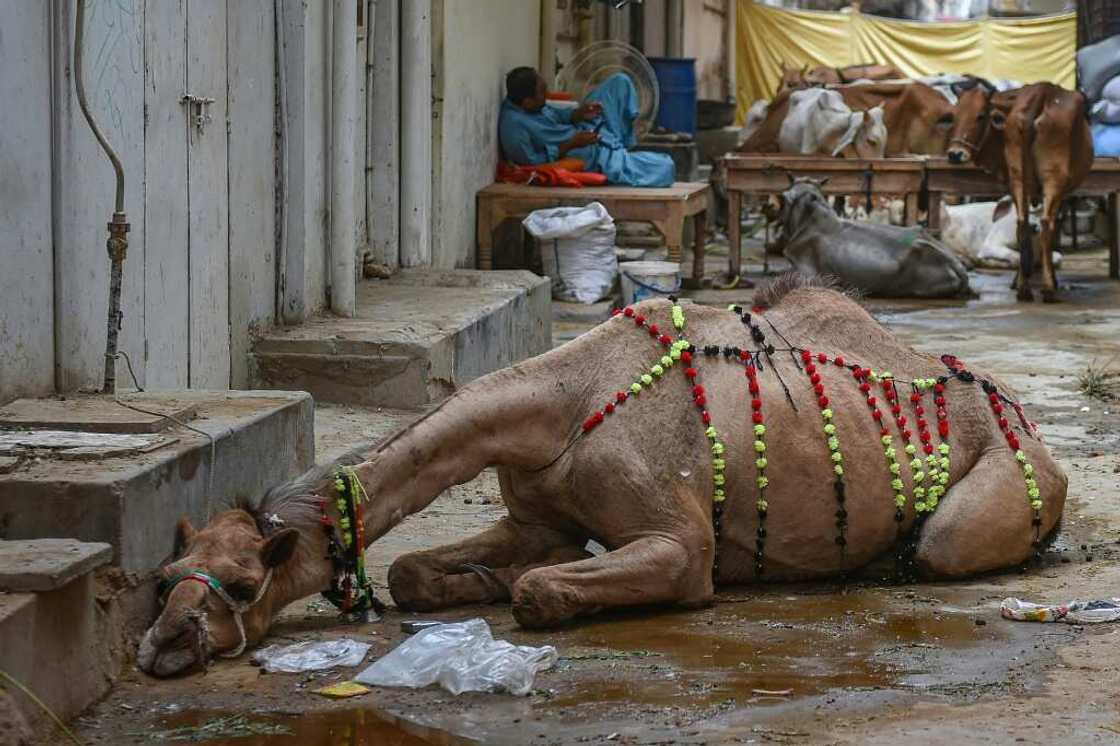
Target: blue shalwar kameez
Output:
{"points": [[532, 138]]}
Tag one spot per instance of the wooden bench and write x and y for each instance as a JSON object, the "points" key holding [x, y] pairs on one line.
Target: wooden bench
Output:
{"points": [[666, 208], [943, 177], [769, 174]]}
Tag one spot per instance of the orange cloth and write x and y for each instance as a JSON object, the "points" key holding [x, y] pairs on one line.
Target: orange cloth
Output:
{"points": [[566, 172]]}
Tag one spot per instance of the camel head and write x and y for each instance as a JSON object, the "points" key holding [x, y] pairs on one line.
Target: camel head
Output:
{"points": [[215, 593], [974, 120]]}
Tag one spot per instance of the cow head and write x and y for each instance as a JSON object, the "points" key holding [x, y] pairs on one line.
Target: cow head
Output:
{"points": [[793, 79], [975, 120], [866, 136], [804, 196]]}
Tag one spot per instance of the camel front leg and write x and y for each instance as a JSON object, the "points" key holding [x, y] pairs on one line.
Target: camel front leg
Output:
{"points": [[478, 570], [651, 570]]}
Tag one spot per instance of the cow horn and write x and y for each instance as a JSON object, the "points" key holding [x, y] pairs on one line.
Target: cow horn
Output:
{"points": [[792, 180]]}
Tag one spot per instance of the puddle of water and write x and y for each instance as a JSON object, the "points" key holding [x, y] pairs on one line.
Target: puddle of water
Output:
{"points": [[350, 727], [803, 646]]}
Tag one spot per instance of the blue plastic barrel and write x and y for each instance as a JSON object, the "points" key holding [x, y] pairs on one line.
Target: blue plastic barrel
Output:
{"points": [[677, 80]]}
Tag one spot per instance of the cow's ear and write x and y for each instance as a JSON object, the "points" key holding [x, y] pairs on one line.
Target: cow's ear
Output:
{"points": [[1002, 208], [999, 119]]}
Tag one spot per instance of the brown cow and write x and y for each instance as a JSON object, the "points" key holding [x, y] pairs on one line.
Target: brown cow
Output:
{"points": [[1036, 139], [851, 73], [917, 117], [793, 79]]}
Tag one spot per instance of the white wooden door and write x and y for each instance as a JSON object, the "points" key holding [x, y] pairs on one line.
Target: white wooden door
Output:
{"points": [[208, 196]]}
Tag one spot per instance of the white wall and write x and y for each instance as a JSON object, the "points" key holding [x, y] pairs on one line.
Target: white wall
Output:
{"points": [[481, 41], [26, 285]]}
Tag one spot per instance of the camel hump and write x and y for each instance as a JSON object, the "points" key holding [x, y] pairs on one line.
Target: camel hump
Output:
{"points": [[770, 294]]}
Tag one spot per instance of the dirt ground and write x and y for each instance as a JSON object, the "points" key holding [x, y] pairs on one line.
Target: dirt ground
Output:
{"points": [[867, 664]]}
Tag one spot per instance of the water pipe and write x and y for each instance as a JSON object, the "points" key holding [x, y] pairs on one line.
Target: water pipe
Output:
{"points": [[117, 244]]}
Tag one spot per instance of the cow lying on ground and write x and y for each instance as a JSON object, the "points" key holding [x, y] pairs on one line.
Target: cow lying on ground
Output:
{"points": [[882, 260], [917, 118], [983, 234], [1036, 139], [820, 123]]}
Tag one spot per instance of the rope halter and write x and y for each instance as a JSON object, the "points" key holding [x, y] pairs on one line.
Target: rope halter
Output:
{"points": [[237, 608]]}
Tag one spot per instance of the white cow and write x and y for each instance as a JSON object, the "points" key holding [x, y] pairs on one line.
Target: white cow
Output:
{"points": [[984, 236], [819, 122]]}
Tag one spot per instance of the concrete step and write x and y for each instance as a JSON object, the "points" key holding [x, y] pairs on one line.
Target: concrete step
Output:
{"points": [[132, 501], [414, 339], [55, 641]]}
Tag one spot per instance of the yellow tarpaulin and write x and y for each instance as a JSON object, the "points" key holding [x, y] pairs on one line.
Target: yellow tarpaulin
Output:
{"points": [[1027, 50]]}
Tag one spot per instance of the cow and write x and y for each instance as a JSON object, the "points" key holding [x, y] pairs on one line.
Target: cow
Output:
{"points": [[819, 122], [983, 234], [793, 79], [917, 118], [882, 260], [1036, 140], [851, 73]]}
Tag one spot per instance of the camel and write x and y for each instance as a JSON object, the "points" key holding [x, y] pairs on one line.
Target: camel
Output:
{"points": [[740, 447]]}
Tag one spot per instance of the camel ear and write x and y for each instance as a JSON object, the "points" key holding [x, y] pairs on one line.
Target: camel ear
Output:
{"points": [[279, 547], [184, 532]]}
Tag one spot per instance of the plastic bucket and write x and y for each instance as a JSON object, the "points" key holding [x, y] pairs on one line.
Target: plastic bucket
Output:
{"points": [[677, 80], [642, 280]]}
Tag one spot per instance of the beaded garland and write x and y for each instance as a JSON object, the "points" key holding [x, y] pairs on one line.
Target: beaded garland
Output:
{"points": [[930, 470], [836, 456], [351, 591], [1034, 496]]}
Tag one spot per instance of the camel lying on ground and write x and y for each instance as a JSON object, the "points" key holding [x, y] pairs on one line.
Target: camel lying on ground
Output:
{"points": [[701, 447]]}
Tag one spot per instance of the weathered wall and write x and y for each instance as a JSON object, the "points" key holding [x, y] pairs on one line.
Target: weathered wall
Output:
{"points": [[481, 41], [26, 287], [706, 39]]}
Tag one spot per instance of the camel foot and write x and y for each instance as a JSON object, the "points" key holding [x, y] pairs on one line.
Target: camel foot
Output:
{"points": [[539, 603]]}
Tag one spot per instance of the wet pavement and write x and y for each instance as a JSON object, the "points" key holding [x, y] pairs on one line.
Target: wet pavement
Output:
{"points": [[868, 663]]}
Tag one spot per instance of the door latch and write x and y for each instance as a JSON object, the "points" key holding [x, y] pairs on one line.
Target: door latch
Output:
{"points": [[200, 110]]}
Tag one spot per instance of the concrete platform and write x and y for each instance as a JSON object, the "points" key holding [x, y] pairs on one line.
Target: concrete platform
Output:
{"points": [[48, 564], [414, 339], [132, 502], [93, 415]]}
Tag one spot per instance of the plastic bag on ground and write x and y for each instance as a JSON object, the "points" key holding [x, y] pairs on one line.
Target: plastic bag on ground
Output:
{"points": [[1075, 612], [313, 655], [460, 657], [577, 250]]}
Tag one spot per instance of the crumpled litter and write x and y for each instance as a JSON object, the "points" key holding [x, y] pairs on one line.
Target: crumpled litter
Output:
{"points": [[313, 655], [460, 657], [1075, 612]]}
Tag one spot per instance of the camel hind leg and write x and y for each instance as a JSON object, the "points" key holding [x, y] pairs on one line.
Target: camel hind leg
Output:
{"points": [[984, 521], [481, 569]]}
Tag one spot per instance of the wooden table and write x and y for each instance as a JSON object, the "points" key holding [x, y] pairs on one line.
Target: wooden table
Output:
{"points": [[769, 174], [666, 208], [943, 177]]}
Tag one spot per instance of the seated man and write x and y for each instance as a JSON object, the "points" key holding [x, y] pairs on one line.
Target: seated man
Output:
{"points": [[598, 132]]}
